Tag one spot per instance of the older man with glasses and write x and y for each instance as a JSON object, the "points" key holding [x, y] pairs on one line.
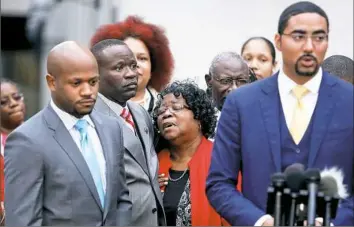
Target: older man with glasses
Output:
{"points": [[228, 71]]}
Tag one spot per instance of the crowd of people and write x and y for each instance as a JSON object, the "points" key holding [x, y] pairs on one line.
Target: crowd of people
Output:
{"points": [[122, 143]]}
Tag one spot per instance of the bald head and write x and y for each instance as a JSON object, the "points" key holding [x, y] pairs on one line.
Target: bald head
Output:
{"points": [[73, 78], [70, 57]]}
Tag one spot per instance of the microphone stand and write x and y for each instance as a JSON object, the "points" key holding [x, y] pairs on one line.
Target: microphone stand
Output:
{"points": [[293, 197], [313, 179], [278, 184], [327, 217]]}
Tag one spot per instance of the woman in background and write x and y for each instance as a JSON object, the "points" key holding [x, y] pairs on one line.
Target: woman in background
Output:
{"points": [[260, 55], [186, 119], [151, 48], [12, 115]]}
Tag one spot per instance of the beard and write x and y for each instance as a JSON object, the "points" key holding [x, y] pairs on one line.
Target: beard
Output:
{"points": [[301, 72]]}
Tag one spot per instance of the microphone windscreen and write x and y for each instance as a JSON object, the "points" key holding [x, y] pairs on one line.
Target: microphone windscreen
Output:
{"points": [[296, 167], [337, 175], [296, 181], [313, 175], [328, 186]]}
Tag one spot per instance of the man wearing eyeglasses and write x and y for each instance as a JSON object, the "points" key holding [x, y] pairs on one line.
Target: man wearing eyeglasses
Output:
{"points": [[300, 115], [227, 72]]}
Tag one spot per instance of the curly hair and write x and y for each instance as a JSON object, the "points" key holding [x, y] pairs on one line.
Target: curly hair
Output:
{"points": [[197, 100], [152, 36]]}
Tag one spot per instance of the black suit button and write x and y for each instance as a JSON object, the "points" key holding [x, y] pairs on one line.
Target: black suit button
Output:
{"points": [[154, 210]]}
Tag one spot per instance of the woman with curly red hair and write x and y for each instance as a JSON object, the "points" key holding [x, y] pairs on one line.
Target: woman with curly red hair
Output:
{"points": [[151, 48]]}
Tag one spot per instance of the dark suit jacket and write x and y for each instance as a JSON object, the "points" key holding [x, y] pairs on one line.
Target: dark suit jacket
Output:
{"points": [[248, 131], [48, 181]]}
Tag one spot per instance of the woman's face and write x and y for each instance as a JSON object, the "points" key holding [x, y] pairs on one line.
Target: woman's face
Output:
{"points": [[12, 106], [259, 58], [143, 59], [175, 120]]}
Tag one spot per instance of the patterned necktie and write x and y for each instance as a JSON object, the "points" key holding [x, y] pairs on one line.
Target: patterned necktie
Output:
{"points": [[128, 118], [300, 119], [90, 157]]}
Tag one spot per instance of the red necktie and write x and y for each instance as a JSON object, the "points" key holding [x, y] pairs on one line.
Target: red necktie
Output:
{"points": [[128, 118]]}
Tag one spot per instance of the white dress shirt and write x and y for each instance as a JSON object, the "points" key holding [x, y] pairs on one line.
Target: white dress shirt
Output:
{"points": [[288, 103], [69, 122], [288, 100]]}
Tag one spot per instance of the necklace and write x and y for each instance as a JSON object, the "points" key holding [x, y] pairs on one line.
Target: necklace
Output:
{"points": [[179, 178]]}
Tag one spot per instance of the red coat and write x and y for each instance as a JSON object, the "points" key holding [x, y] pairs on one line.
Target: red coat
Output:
{"points": [[202, 212]]}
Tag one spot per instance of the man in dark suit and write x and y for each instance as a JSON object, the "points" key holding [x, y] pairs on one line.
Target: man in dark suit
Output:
{"points": [[119, 76], [267, 125], [64, 166]]}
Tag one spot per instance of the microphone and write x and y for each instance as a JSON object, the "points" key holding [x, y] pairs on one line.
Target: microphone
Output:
{"points": [[313, 178], [332, 187], [295, 180], [333, 174], [278, 182]]}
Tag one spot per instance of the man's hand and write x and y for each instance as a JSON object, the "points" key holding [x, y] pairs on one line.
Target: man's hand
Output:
{"points": [[317, 223], [269, 222]]}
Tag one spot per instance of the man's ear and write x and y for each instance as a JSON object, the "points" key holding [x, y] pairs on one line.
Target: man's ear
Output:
{"points": [[207, 78], [50, 82], [277, 41]]}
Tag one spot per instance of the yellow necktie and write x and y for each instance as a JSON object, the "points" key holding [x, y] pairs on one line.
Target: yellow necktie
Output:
{"points": [[300, 119]]}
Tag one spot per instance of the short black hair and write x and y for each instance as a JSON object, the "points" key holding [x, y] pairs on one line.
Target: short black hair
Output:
{"points": [[197, 100], [299, 8], [339, 65], [102, 45], [267, 41]]}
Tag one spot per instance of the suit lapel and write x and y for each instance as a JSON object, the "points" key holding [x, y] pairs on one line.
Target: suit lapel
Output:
{"points": [[102, 107], [270, 109], [109, 158], [322, 115], [141, 127], [143, 134], [132, 147], [64, 139]]}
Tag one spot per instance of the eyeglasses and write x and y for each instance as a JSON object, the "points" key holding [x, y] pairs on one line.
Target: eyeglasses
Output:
{"points": [[302, 38], [5, 101], [229, 81], [173, 109]]}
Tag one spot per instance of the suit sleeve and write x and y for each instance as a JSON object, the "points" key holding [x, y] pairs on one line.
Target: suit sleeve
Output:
{"points": [[23, 181], [225, 165], [124, 204], [345, 212]]}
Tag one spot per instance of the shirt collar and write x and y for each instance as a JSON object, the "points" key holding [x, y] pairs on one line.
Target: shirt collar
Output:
{"points": [[117, 108], [285, 84], [68, 119]]}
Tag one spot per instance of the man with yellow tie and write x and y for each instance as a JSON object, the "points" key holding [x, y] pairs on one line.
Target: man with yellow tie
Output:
{"points": [[300, 115]]}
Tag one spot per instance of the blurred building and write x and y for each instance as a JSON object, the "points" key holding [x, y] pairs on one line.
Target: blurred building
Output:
{"points": [[30, 28]]}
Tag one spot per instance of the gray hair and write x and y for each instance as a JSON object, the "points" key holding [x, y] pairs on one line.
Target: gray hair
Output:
{"points": [[339, 65], [226, 56]]}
